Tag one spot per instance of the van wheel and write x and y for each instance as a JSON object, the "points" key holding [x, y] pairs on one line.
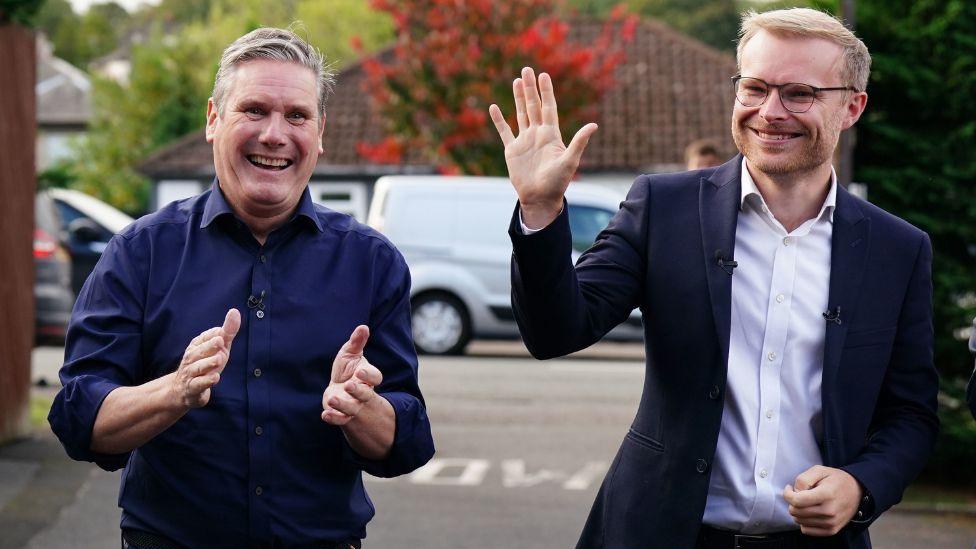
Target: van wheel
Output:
{"points": [[440, 324]]}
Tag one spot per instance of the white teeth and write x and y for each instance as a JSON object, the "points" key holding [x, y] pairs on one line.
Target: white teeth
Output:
{"points": [[266, 161], [774, 136]]}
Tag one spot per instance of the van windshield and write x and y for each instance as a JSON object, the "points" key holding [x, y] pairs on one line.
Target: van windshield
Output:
{"points": [[586, 222]]}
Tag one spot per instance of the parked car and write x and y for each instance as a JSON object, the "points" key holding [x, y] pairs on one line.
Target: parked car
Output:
{"points": [[87, 224], [453, 234], [53, 297]]}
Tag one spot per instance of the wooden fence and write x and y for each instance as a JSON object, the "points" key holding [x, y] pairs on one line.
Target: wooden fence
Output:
{"points": [[18, 129]]}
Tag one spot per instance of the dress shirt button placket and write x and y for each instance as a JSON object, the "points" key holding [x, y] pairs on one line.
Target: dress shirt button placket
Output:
{"points": [[774, 345], [258, 390]]}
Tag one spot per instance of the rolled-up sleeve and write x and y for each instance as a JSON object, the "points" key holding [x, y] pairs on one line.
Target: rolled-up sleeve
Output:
{"points": [[390, 348], [102, 351]]}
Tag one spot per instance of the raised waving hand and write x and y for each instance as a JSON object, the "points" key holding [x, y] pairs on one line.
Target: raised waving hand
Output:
{"points": [[539, 164]]}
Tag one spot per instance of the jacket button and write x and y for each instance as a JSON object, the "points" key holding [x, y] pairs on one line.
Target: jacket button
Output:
{"points": [[714, 393], [701, 466]]}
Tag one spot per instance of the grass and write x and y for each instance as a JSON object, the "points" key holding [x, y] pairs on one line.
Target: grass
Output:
{"points": [[40, 405]]}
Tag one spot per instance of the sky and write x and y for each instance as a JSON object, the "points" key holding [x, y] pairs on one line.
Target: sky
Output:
{"points": [[81, 6]]}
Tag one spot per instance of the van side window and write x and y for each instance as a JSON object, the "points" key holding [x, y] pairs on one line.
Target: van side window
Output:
{"points": [[585, 223]]}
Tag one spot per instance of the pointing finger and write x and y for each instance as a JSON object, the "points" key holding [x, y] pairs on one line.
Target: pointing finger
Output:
{"points": [[369, 374]]}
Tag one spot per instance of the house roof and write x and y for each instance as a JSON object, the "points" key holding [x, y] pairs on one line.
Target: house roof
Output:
{"points": [[63, 90], [670, 90]]}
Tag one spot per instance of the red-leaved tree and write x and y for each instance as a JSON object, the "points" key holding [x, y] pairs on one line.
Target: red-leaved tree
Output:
{"points": [[453, 58]]}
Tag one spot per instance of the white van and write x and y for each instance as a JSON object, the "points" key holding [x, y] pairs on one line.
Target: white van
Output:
{"points": [[453, 233]]}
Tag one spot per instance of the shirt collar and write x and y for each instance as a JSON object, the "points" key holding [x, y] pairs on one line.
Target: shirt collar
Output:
{"points": [[218, 206], [749, 188]]}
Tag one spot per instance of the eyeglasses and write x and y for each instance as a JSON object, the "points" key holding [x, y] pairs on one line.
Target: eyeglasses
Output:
{"points": [[795, 97]]}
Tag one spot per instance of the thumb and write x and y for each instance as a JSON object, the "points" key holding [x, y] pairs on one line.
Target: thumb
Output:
{"points": [[357, 341], [580, 140], [810, 478], [232, 325]]}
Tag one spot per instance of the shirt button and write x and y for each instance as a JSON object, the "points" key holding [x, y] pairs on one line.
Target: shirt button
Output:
{"points": [[258, 431], [714, 393], [259, 490], [787, 241], [701, 466], [764, 473], [257, 372], [780, 298], [769, 414], [262, 258], [771, 356], [260, 313]]}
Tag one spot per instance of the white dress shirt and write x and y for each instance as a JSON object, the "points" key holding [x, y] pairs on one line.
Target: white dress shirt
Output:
{"points": [[771, 424]]}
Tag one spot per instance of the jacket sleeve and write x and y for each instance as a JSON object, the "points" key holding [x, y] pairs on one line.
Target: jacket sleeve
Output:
{"points": [[905, 423], [103, 350], [390, 348], [561, 309]]}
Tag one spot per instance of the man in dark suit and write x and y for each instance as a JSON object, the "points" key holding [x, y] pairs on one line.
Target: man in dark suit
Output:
{"points": [[790, 391]]}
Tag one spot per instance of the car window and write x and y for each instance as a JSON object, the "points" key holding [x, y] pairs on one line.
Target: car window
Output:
{"points": [[69, 213], [586, 222]]}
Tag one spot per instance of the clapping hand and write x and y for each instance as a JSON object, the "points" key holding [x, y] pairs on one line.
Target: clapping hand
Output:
{"points": [[352, 383]]}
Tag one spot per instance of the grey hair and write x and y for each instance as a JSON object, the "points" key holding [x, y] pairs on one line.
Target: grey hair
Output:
{"points": [[276, 45], [810, 23]]}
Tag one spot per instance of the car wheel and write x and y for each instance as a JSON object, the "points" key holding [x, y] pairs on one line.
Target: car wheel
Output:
{"points": [[440, 324]]}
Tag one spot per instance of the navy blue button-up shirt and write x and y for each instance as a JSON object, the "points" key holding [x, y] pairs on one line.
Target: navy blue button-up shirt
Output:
{"points": [[257, 465]]}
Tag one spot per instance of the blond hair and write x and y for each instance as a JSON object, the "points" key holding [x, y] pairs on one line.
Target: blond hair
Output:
{"points": [[810, 23], [276, 45]]}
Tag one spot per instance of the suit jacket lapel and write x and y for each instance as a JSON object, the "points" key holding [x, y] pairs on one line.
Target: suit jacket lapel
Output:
{"points": [[849, 246], [719, 202]]}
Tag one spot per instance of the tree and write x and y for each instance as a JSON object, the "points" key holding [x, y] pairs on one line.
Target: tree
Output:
{"points": [[452, 59], [714, 22], [916, 143], [172, 75]]}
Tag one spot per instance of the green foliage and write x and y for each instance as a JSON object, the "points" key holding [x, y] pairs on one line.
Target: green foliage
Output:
{"points": [[955, 450], [916, 144], [172, 75], [21, 12], [79, 39], [58, 176]]}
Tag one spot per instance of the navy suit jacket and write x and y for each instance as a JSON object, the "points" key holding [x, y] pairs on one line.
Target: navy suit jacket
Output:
{"points": [[879, 383]]}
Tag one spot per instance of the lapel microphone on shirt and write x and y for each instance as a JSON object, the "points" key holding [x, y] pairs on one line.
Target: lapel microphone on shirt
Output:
{"points": [[256, 302], [832, 315], [726, 264]]}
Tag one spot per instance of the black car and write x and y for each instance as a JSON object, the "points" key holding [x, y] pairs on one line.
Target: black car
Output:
{"points": [[53, 297]]}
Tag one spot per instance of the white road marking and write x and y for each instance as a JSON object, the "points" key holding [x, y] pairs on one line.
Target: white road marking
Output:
{"points": [[514, 475], [592, 471], [471, 472]]}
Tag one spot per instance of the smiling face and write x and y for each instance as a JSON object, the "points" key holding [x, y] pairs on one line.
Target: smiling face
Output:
{"points": [[776, 141], [267, 138]]}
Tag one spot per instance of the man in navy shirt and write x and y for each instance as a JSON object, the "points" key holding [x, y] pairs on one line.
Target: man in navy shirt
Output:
{"points": [[219, 350]]}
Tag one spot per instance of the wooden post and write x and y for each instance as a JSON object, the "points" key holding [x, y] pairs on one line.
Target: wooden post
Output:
{"points": [[18, 181]]}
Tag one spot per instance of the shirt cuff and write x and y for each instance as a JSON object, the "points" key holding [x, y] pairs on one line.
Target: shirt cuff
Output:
{"points": [[413, 444], [73, 415], [526, 230]]}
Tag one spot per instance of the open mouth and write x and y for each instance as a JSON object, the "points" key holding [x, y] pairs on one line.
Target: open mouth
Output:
{"points": [[776, 135], [268, 163]]}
